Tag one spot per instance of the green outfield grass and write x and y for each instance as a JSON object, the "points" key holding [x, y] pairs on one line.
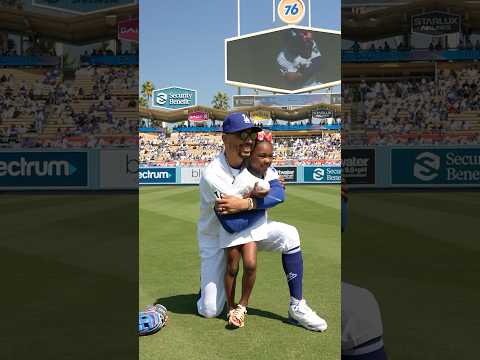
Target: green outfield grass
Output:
{"points": [[70, 271], [418, 252], [169, 274]]}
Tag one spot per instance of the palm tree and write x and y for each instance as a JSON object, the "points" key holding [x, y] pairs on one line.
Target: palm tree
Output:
{"points": [[221, 101], [142, 101], [147, 89]]}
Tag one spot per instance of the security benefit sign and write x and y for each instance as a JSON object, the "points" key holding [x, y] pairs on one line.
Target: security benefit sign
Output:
{"points": [[436, 167], [322, 174], [174, 98], [157, 175], [43, 169], [289, 173], [358, 166], [436, 23]]}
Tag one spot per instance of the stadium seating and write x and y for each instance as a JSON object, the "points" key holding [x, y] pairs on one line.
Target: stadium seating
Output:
{"points": [[392, 111], [200, 148], [56, 112]]}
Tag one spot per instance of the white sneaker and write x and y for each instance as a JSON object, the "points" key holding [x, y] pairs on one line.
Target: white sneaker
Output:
{"points": [[300, 314]]}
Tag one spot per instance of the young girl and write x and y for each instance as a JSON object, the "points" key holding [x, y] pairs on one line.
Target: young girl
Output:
{"points": [[242, 244]]}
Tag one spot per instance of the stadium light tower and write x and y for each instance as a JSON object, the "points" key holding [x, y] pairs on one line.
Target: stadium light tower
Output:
{"points": [[309, 13], [238, 17]]}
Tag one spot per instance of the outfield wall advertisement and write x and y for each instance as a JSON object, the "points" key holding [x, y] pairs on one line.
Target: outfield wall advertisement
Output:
{"points": [[190, 175], [44, 170], [118, 169], [381, 167], [412, 167], [289, 173], [157, 175], [322, 174], [433, 167], [358, 166]]}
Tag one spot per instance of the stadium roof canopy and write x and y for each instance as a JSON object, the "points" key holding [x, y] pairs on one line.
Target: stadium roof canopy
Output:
{"points": [[77, 29], [215, 114], [396, 20]]}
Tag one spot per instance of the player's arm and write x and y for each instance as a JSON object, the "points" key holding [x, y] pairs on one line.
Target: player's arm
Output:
{"points": [[233, 223], [232, 204], [275, 196], [218, 190]]}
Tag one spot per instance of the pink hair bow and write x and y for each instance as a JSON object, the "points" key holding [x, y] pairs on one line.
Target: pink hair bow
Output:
{"points": [[263, 136]]}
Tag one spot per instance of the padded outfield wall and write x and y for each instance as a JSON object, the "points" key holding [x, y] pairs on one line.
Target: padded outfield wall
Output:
{"points": [[115, 169], [412, 167]]}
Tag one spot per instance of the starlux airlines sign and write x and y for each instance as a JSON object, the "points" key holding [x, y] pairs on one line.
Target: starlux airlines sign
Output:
{"points": [[436, 23]]}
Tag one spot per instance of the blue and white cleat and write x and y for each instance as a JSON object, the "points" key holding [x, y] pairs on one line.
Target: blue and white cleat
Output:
{"points": [[300, 314]]}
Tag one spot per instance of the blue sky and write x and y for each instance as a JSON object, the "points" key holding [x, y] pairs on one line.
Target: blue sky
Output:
{"points": [[182, 41]]}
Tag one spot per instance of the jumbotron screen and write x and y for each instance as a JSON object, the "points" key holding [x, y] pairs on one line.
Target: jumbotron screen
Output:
{"points": [[288, 60]]}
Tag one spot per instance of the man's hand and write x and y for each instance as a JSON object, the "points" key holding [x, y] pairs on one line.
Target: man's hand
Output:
{"points": [[229, 204], [281, 178]]}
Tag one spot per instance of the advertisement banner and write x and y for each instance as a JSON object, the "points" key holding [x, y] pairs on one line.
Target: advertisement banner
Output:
{"points": [[118, 169], [157, 175], [243, 100], [436, 23], [174, 98], [128, 30], [286, 101], [289, 173], [43, 169], [199, 116], [291, 11], [190, 175], [320, 114], [323, 174], [358, 166], [435, 167], [260, 116]]}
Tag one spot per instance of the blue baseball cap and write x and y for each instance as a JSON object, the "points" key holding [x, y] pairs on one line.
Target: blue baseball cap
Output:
{"points": [[238, 121]]}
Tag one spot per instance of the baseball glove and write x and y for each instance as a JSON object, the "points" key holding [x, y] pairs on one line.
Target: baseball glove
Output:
{"points": [[152, 319]]}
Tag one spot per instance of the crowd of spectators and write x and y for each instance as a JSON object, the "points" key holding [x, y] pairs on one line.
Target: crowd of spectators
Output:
{"points": [[108, 52], [201, 148], [417, 105], [90, 117], [305, 149]]}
